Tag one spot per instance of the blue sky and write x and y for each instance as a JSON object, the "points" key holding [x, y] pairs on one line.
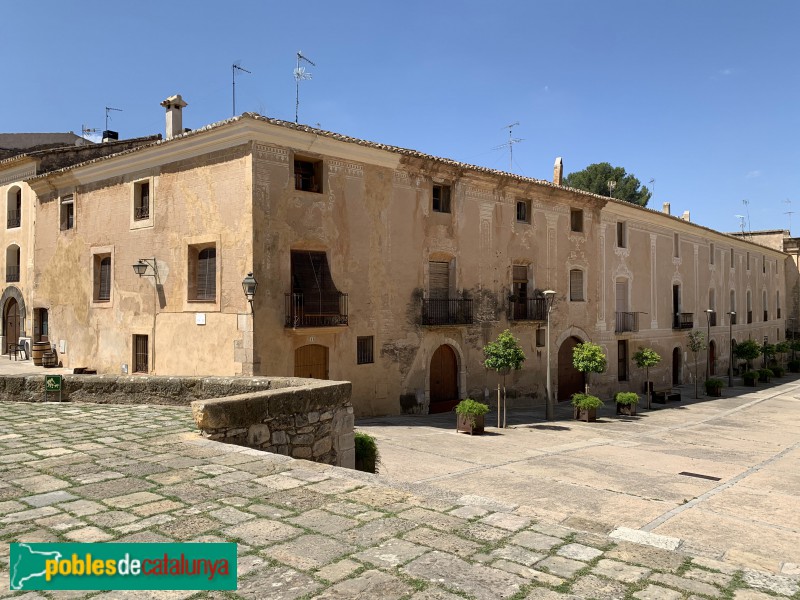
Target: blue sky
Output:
{"points": [[702, 96]]}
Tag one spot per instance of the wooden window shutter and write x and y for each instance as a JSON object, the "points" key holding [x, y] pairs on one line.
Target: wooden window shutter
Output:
{"points": [[207, 274], [439, 285], [576, 285]]}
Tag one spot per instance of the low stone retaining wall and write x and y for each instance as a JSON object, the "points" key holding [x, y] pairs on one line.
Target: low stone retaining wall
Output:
{"points": [[302, 418], [312, 421]]}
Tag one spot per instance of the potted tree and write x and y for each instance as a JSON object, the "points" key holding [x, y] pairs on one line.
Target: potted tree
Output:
{"points": [[714, 387], [750, 378], [503, 355], [470, 416], [697, 343], [765, 375], [626, 403], [586, 406], [644, 359], [748, 351], [588, 358]]}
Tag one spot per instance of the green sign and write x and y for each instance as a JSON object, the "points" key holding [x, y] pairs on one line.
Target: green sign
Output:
{"points": [[134, 566], [52, 383]]}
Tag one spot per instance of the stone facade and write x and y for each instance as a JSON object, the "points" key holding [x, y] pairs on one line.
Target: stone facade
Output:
{"points": [[421, 262]]}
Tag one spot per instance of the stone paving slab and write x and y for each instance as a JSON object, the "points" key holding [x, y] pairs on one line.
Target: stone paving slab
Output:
{"points": [[321, 532]]}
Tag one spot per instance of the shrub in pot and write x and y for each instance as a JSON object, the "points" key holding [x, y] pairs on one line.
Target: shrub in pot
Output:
{"points": [[778, 371], [750, 378], [714, 386], [470, 416], [794, 366], [765, 375], [586, 406], [626, 403], [367, 456]]}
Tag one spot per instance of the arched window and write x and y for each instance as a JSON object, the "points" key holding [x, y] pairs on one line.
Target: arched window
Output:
{"points": [[14, 207], [732, 307], [12, 263]]}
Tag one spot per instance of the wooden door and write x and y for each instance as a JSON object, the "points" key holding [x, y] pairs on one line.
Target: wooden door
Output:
{"points": [[570, 380], [444, 380], [11, 323], [712, 358], [676, 366], [311, 361]]}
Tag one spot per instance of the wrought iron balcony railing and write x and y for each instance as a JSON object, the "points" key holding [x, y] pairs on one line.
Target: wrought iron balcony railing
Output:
{"points": [[528, 309], [13, 219], [627, 321], [12, 273], [316, 309], [446, 311], [683, 321]]}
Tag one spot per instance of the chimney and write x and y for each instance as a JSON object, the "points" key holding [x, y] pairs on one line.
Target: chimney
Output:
{"points": [[110, 136], [665, 209], [174, 106], [558, 171], [686, 216]]}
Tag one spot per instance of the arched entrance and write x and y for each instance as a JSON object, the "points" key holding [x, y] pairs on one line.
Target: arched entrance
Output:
{"points": [[444, 380], [676, 366], [712, 358], [570, 380], [11, 326], [311, 361]]}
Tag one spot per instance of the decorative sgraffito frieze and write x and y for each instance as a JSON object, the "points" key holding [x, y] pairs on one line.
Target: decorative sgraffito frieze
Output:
{"points": [[271, 154], [404, 179], [471, 191], [349, 169]]}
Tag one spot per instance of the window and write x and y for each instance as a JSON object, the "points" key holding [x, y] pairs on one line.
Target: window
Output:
{"points": [[764, 305], [438, 280], [622, 360], [676, 245], [733, 307], [67, 212], [523, 211], [14, 207], [541, 334], [749, 307], [764, 265], [12, 263], [519, 292], [141, 359], [576, 220], [622, 235], [308, 175], [364, 353], [141, 201], [712, 304], [748, 261], [576, 285], [441, 198], [102, 278], [203, 273], [778, 304], [711, 254], [732, 265]]}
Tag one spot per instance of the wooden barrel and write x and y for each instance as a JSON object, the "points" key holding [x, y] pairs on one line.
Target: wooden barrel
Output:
{"points": [[49, 359], [38, 349]]}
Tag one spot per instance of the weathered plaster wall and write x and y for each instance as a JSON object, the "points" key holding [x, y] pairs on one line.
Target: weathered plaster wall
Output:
{"points": [[198, 200]]}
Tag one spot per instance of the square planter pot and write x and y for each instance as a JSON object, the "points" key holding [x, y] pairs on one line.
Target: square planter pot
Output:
{"points": [[626, 409], [751, 383], [716, 392], [464, 423], [586, 415]]}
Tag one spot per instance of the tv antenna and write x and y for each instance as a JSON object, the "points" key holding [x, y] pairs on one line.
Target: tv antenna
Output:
{"points": [[108, 110], [510, 144], [741, 222], [652, 183], [87, 130], [300, 74], [789, 212], [235, 67], [747, 210]]}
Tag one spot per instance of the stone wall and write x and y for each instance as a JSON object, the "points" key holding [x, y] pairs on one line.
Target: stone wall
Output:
{"points": [[302, 418], [312, 421]]}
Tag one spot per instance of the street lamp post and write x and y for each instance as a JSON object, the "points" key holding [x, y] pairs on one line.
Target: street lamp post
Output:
{"points": [[731, 316], [709, 312], [549, 296]]}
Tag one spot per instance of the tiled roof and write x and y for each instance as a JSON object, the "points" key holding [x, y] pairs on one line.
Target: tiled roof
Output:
{"points": [[25, 141]]}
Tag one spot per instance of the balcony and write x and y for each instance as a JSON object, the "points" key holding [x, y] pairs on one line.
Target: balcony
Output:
{"points": [[12, 273], [318, 309], [683, 321], [140, 213], [13, 219], [627, 321], [530, 309], [749, 316], [446, 312]]}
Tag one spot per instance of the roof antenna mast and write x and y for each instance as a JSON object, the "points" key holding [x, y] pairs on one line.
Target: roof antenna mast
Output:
{"points": [[235, 67], [510, 145], [300, 74], [108, 110], [747, 212], [789, 212]]}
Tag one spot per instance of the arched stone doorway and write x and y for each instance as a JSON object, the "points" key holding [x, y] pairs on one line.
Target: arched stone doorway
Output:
{"points": [[570, 380], [311, 361], [11, 323], [444, 380], [712, 357], [676, 367]]}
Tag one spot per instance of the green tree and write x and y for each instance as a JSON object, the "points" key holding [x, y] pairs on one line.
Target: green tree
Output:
{"points": [[644, 359], [595, 178], [748, 350], [503, 355], [588, 358], [697, 343], [782, 348]]}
